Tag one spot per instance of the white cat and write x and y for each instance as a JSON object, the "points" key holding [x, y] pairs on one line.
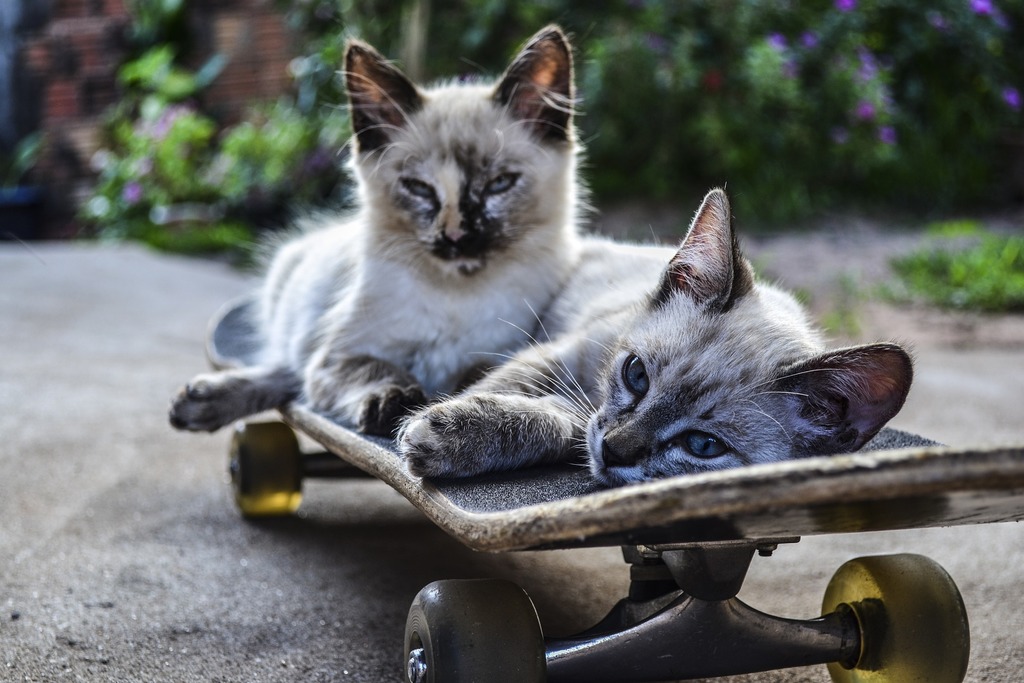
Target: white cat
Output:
{"points": [[662, 363], [466, 227]]}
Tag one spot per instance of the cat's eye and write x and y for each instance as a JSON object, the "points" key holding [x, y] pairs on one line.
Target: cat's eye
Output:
{"points": [[634, 376], [702, 445], [501, 183], [418, 188]]}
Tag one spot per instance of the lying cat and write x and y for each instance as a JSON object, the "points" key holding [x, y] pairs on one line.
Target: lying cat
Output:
{"points": [[654, 371], [467, 224]]}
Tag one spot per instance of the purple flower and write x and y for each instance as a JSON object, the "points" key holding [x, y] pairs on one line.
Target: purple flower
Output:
{"points": [[887, 134], [809, 40], [789, 69], [846, 5], [865, 110], [839, 135], [778, 41], [1012, 98], [937, 21], [983, 7], [657, 44], [131, 193], [868, 66]]}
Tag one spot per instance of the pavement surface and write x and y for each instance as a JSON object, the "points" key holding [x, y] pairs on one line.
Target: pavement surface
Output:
{"points": [[123, 559]]}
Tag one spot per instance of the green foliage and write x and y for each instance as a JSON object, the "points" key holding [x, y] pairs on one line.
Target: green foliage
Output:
{"points": [[196, 239], [276, 155], [156, 74], [174, 178], [982, 273], [796, 106], [156, 21], [15, 165], [153, 162], [843, 316]]}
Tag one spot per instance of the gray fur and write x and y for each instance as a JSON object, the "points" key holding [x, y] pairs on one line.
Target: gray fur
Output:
{"points": [[467, 223], [722, 355]]}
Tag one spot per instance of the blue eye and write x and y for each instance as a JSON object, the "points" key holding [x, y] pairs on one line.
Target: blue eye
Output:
{"points": [[501, 183], [634, 376], [702, 444], [418, 188]]}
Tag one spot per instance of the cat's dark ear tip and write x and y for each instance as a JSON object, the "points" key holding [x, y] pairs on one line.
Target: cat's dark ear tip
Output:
{"points": [[358, 51]]}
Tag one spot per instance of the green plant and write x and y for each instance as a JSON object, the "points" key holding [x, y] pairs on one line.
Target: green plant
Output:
{"points": [[14, 166], [843, 316], [156, 21], [983, 272], [154, 74], [170, 176], [279, 155], [153, 161], [797, 106]]}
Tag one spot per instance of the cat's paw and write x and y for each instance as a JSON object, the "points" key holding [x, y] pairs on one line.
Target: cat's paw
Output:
{"points": [[199, 406], [382, 410], [443, 441]]}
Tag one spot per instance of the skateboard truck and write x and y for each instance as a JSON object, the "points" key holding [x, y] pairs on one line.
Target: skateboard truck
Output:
{"points": [[697, 628], [889, 618]]}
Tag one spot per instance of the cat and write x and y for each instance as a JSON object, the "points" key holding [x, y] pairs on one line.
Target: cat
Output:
{"points": [[661, 363], [466, 226]]}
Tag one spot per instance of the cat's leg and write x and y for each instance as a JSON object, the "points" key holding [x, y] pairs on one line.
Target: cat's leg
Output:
{"points": [[212, 400], [369, 393], [488, 432], [528, 411]]}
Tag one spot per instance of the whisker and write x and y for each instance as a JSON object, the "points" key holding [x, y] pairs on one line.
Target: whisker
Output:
{"points": [[758, 409]]}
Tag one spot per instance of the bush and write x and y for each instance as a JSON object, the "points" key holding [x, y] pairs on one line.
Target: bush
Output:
{"points": [[172, 177], [796, 106], [978, 270]]}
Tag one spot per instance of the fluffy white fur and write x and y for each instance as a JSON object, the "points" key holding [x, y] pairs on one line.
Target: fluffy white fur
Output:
{"points": [[466, 228]]}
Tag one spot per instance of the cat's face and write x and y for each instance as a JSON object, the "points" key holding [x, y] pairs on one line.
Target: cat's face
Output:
{"points": [[720, 372], [460, 172]]}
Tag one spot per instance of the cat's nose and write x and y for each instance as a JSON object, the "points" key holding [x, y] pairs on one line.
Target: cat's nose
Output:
{"points": [[615, 457], [454, 233]]}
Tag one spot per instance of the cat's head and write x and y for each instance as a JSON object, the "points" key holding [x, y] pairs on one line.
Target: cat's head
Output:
{"points": [[460, 171], [722, 371]]}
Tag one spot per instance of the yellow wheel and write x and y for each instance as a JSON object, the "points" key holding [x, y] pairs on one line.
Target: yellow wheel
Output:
{"points": [[266, 469], [912, 621]]}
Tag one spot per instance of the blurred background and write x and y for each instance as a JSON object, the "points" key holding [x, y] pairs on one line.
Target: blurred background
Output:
{"points": [[193, 126]]}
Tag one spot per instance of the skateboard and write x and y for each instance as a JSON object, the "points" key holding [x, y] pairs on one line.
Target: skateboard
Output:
{"points": [[689, 541]]}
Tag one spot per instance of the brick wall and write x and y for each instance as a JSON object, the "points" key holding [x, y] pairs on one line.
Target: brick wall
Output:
{"points": [[71, 59]]}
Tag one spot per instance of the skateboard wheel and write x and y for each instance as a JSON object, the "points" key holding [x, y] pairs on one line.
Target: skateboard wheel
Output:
{"points": [[912, 621], [266, 469], [473, 630]]}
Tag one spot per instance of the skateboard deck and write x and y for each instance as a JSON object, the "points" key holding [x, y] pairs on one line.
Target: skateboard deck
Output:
{"points": [[898, 481]]}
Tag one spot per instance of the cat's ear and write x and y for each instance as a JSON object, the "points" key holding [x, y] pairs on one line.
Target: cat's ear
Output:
{"points": [[381, 98], [537, 87], [837, 401], [708, 267]]}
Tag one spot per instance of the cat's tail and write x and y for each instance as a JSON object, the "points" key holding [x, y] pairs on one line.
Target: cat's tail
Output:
{"points": [[213, 400]]}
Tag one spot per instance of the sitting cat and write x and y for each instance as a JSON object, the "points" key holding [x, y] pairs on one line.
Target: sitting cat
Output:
{"points": [[466, 226], [654, 371]]}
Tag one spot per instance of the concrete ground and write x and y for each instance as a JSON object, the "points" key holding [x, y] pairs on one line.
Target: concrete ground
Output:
{"points": [[122, 557]]}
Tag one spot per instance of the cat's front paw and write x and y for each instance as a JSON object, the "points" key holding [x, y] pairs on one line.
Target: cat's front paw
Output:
{"points": [[198, 406], [381, 411], [436, 442]]}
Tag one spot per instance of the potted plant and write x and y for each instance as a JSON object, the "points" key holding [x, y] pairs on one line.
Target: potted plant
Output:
{"points": [[20, 205]]}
